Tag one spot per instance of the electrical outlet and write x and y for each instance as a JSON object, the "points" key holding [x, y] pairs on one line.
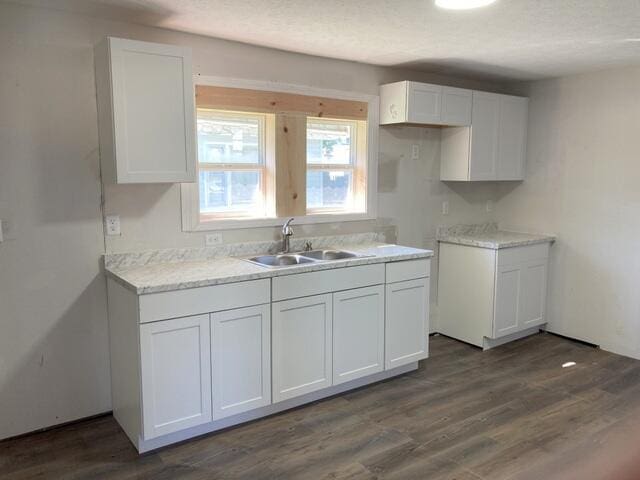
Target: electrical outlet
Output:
{"points": [[1, 235], [212, 239], [415, 152], [489, 205], [112, 224], [445, 207]]}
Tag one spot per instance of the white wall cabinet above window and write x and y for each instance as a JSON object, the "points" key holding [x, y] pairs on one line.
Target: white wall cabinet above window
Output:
{"points": [[493, 147], [423, 103], [146, 112]]}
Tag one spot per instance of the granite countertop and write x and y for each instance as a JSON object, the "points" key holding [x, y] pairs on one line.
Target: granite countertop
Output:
{"points": [[489, 236], [162, 277]]}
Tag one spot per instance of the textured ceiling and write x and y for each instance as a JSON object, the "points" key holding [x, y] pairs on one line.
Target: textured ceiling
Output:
{"points": [[511, 39]]}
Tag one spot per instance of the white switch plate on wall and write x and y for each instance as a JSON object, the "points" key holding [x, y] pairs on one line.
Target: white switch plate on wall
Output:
{"points": [[112, 224]]}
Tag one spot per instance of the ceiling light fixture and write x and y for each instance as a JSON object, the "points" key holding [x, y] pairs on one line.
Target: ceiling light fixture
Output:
{"points": [[463, 4]]}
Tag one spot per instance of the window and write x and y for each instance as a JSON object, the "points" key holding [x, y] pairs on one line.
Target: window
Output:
{"points": [[232, 164], [266, 155], [336, 166]]}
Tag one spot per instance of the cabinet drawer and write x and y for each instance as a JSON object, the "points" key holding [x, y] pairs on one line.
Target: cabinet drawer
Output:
{"points": [[325, 281], [517, 255], [408, 270], [180, 303]]}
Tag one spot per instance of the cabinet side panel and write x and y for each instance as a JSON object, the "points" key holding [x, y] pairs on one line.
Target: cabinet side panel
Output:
{"points": [[454, 153], [105, 112], [465, 292], [124, 348], [393, 103]]}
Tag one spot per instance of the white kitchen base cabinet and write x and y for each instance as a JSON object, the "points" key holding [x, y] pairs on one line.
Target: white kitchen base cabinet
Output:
{"points": [[302, 353], [358, 333], [186, 362], [240, 360], [176, 380], [486, 295], [407, 322]]}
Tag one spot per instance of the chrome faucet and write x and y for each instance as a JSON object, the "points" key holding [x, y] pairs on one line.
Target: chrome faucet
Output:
{"points": [[287, 232]]}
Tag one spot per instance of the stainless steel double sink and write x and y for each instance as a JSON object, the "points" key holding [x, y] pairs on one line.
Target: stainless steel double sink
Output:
{"points": [[299, 258]]}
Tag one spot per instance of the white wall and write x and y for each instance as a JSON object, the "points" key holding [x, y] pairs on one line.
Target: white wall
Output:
{"points": [[583, 183], [54, 363]]}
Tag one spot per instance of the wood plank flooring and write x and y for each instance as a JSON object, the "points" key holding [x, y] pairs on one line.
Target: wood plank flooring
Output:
{"points": [[511, 412]]}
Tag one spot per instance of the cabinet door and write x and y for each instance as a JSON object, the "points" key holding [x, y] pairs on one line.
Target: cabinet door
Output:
{"points": [[301, 346], [153, 112], [512, 137], [176, 377], [358, 333], [456, 106], [406, 322], [241, 360], [484, 136], [424, 103], [507, 297], [533, 293]]}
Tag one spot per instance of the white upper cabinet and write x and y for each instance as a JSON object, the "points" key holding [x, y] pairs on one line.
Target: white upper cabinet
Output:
{"points": [[423, 103], [494, 147], [146, 112]]}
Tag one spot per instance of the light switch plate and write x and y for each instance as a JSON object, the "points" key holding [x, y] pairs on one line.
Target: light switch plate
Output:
{"points": [[112, 224]]}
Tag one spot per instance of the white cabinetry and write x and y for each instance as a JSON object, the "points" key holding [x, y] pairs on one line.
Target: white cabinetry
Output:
{"points": [[176, 377], [424, 103], [493, 147], [146, 112], [301, 346], [487, 296], [407, 312], [241, 360], [358, 333]]}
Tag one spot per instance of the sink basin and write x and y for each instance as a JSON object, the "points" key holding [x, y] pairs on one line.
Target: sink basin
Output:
{"points": [[329, 254], [282, 260]]}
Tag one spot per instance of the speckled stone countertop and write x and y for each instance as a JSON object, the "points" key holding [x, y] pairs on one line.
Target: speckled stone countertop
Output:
{"points": [[145, 278], [489, 236]]}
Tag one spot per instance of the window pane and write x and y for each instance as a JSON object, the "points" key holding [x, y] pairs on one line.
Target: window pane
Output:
{"points": [[329, 189], [229, 138], [329, 142], [230, 191]]}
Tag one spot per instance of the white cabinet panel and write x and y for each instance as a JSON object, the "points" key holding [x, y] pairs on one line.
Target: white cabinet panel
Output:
{"points": [[176, 377], [146, 112], [484, 136], [241, 360], [533, 293], [456, 106], [406, 322], [508, 291], [512, 138], [302, 357], [358, 333], [425, 102]]}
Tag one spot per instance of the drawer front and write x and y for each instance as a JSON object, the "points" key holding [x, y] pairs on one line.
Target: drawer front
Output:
{"points": [[408, 270], [193, 301], [518, 255], [325, 281]]}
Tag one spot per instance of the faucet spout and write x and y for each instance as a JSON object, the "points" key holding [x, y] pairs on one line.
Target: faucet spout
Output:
{"points": [[287, 232]]}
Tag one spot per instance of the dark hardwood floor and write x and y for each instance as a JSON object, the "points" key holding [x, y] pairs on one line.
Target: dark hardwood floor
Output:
{"points": [[511, 412]]}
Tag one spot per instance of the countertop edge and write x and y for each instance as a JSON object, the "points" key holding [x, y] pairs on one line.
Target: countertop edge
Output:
{"points": [[496, 245], [267, 273]]}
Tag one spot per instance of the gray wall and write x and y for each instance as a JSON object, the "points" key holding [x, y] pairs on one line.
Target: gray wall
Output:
{"points": [[583, 183], [54, 364]]}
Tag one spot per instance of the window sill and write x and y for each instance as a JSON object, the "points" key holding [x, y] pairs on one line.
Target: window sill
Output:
{"points": [[239, 223]]}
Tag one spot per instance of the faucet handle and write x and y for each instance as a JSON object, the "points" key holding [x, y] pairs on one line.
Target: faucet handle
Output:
{"points": [[307, 246]]}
